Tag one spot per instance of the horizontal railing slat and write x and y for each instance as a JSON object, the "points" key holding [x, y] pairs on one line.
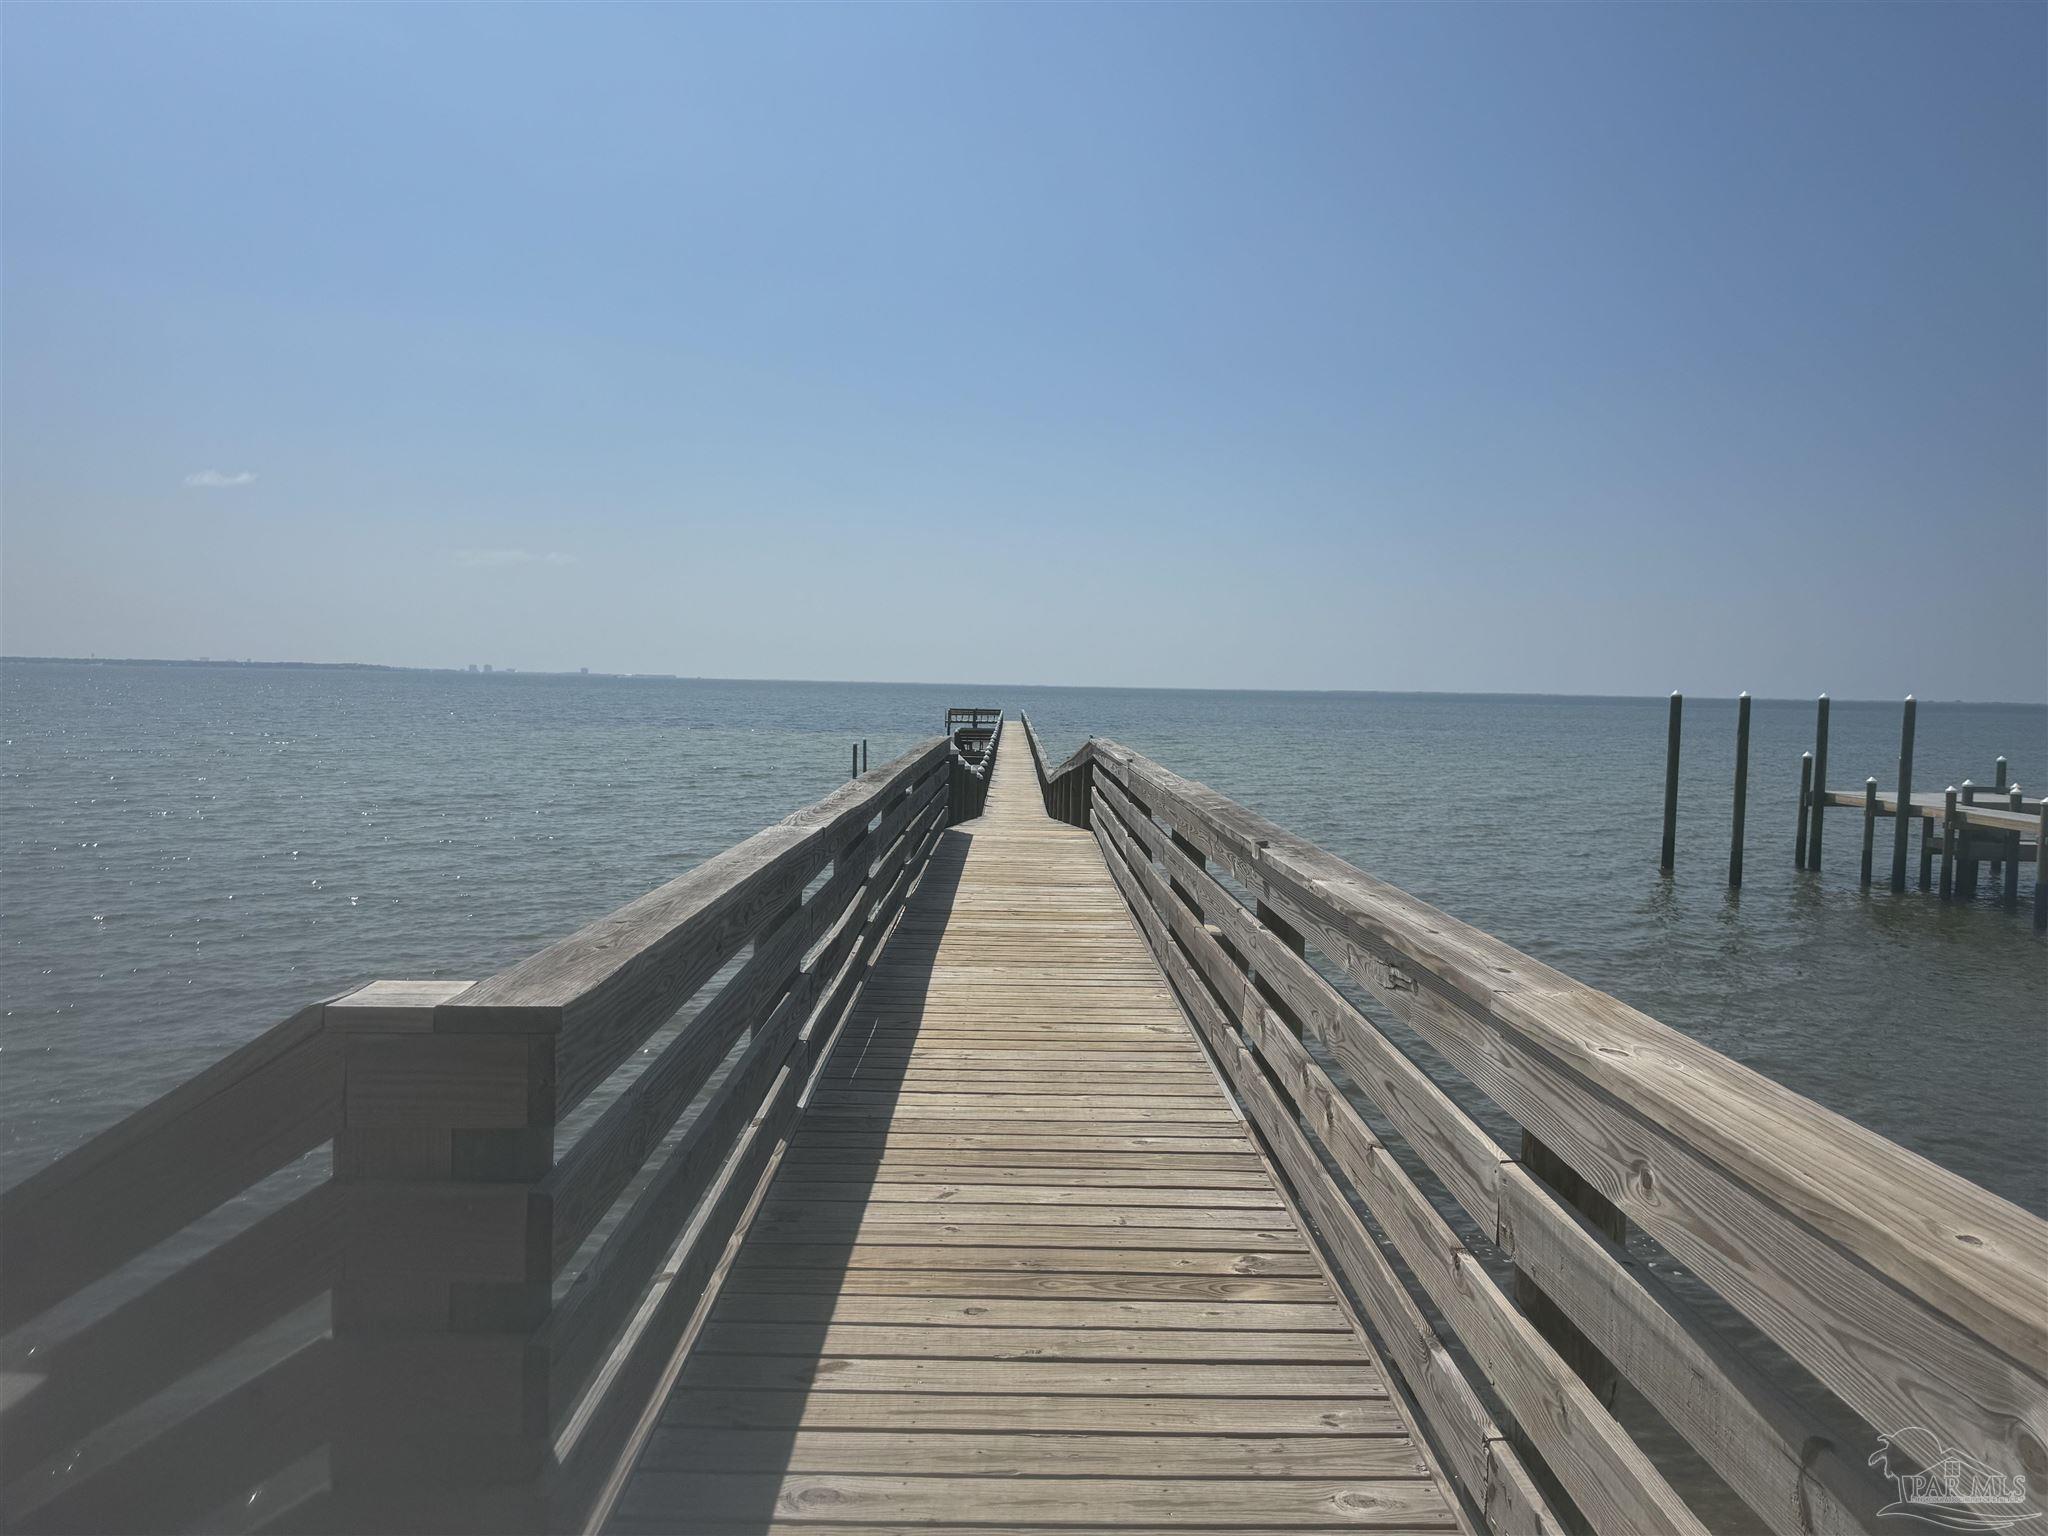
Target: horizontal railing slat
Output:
{"points": [[595, 1306], [605, 988], [168, 1164], [1849, 1311], [445, 1095], [177, 1325], [216, 1455], [1770, 1450], [1457, 1150], [609, 1399], [1609, 1478], [589, 1177], [598, 1302], [1908, 1217], [1753, 1435], [1479, 1454]]}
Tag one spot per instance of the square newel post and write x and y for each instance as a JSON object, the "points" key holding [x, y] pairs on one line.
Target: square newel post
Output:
{"points": [[441, 1412]]}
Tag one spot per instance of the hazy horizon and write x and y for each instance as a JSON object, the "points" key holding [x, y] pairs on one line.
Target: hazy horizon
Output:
{"points": [[942, 682], [1584, 351]]}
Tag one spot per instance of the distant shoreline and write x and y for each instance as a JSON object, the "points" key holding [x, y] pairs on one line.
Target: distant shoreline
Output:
{"points": [[330, 666], [856, 682]]}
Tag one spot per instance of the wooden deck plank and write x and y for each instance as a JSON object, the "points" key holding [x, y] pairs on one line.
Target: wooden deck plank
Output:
{"points": [[936, 1453], [954, 1194], [1027, 1259], [1023, 1264], [1096, 1340], [989, 1311], [1364, 1503], [1022, 1285], [1008, 1412]]}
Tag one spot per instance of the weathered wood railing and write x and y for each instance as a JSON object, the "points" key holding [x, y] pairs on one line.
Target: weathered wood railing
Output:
{"points": [[1065, 790], [1906, 1296], [455, 1388], [969, 789]]}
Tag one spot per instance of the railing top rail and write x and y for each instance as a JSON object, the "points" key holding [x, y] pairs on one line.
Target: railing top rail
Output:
{"points": [[602, 987], [1079, 757], [1037, 746], [1961, 1250], [582, 968]]}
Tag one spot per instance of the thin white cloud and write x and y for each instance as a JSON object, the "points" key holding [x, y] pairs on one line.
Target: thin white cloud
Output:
{"points": [[219, 479], [478, 558]]}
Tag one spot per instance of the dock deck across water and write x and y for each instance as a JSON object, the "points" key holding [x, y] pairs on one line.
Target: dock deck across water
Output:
{"points": [[1001, 1146], [1023, 1259]]}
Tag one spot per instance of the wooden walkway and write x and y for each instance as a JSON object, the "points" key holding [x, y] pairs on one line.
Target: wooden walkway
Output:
{"points": [[1022, 1266]]}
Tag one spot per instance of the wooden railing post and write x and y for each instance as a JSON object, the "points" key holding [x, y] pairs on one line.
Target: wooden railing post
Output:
{"points": [[1291, 937], [1564, 1336], [441, 1420]]}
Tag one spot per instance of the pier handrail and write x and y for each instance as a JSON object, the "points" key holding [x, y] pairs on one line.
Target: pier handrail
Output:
{"points": [[93, 1211], [1064, 788], [457, 1390], [969, 792], [1038, 768], [1912, 1295]]}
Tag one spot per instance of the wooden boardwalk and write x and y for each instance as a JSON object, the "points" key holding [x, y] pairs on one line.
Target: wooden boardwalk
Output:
{"points": [[1023, 1266]]}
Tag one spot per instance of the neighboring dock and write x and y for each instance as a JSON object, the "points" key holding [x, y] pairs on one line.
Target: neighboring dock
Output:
{"points": [[1994, 825], [963, 1153]]}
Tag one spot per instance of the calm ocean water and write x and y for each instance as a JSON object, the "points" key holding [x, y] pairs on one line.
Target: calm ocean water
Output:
{"points": [[191, 853]]}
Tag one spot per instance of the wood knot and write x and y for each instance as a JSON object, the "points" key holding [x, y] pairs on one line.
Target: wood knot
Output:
{"points": [[2032, 1456]]}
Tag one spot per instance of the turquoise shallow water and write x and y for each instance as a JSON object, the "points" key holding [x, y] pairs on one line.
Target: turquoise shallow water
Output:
{"points": [[190, 853]]}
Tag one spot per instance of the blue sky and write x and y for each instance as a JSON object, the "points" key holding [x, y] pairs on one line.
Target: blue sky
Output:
{"points": [[1553, 348]]}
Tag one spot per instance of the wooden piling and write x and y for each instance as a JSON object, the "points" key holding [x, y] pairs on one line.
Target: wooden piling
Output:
{"points": [[1998, 783], [1904, 819], [853, 772], [1805, 800], [2012, 850], [1820, 782], [1869, 826], [1671, 783], [2041, 865], [1926, 849], [863, 754], [1966, 877], [1741, 789], [1948, 844]]}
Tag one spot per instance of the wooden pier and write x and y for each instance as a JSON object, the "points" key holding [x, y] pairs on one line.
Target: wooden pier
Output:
{"points": [[1958, 834], [968, 1158], [1023, 1257]]}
